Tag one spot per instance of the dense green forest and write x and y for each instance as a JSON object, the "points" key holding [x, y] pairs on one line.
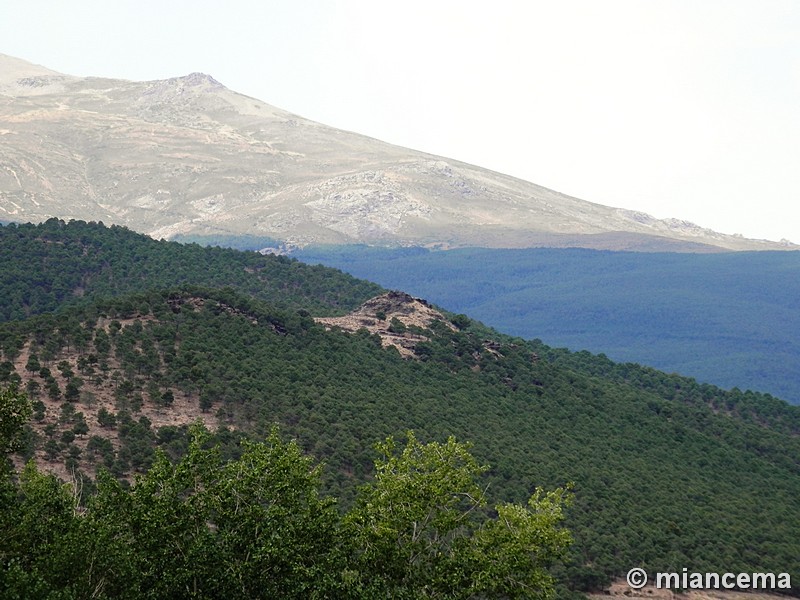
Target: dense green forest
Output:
{"points": [[665, 472], [732, 319], [49, 265]]}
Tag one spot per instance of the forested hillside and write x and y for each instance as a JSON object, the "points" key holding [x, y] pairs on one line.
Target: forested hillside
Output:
{"points": [[732, 319], [666, 473], [44, 267]]}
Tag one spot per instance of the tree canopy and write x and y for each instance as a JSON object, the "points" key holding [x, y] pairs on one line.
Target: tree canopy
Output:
{"points": [[259, 527]]}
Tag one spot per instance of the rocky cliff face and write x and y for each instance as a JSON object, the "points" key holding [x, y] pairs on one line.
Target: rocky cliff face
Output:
{"points": [[188, 156]]}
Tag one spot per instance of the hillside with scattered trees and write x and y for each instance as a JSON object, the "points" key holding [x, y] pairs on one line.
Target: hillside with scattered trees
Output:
{"points": [[190, 418]]}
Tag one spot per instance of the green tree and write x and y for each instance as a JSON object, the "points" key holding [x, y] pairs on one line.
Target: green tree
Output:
{"points": [[419, 530], [33, 388], [40, 556], [53, 390], [80, 428], [65, 369], [254, 527], [167, 398], [106, 419], [461, 321], [397, 326], [33, 364], [512, 553], [15, 411], [72, 391]]}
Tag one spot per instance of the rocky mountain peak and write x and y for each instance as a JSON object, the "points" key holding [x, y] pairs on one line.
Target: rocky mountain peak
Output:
{"points": [[184, 82]]}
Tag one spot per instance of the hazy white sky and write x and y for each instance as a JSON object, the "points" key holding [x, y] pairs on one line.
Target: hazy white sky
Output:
{"points": [[679, 108]]}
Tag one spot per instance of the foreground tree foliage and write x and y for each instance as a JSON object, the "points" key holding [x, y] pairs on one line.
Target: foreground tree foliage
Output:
{"points": [[415, 529], [258, 527], [254, 527], [15, 410]]}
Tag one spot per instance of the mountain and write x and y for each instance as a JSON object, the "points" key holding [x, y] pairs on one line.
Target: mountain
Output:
{"points": [[188, 157], [666, 471]]}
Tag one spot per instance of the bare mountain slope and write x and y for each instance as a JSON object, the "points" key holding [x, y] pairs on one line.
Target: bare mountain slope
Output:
{"points": [[189, 156]]}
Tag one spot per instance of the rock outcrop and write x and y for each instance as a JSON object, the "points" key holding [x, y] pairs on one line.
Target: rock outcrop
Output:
{"points": [[398, 318]]}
